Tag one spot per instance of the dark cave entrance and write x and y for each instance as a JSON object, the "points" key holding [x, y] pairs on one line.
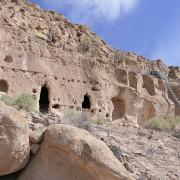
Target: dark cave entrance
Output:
{"points": [[3, 86], [44, 100], [86, 102]]}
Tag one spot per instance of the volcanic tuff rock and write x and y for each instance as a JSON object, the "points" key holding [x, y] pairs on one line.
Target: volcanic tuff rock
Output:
{"points": [[146, 154], [174, 72], [14, 140], [70, 153], [65, 65], [66, 152]]}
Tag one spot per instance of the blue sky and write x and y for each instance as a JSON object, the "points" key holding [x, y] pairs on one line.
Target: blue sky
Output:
{"points": [[148, 27]]}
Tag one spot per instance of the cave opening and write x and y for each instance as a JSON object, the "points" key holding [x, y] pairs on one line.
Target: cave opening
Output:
{"points": [[86, 104], [3, 86], [44, 100]]}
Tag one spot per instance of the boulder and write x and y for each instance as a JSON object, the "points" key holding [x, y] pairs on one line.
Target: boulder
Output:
{"points": [[14, 140], [70, 153]]}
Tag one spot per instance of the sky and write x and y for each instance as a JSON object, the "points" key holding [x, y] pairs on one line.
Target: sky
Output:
{"points": [[148, 27]]}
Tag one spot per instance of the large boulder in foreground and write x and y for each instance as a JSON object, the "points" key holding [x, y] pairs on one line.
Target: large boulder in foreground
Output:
{"points": [[69, 153], [14, 140]]}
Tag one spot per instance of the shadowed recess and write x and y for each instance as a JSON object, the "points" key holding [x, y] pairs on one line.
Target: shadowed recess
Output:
{"points": [[86, 102], [3, 86], [44, 100]]}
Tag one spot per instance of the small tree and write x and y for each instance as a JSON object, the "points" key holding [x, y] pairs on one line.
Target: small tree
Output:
{"points": [[25, 102]]}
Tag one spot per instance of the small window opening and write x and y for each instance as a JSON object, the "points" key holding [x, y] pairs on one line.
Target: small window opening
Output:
{"points": [[56, 106], [34, 90], [8, 59]]}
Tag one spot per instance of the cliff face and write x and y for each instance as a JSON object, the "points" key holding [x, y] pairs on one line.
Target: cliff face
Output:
{"points": [[66, 65]]}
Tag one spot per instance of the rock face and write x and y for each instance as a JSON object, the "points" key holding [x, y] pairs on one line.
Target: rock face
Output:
{"points": [[65, 65], [70, 153], [174, 72], [14, 140], [176, 89]]}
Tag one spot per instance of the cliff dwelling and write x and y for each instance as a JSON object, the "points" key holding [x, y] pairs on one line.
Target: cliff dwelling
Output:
{"points": [[86, 104], [44, 100], [148, 84], [119, 108]]}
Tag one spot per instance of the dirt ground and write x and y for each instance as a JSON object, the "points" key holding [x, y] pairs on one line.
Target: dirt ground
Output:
{"points": [[147, 154]]}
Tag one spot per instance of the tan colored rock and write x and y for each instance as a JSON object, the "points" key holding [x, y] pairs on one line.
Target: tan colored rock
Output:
{"points": [[121, 75], [70, 153], [34, 148], [129, 166], [36, 135], [45, 55], [176, 89], [14, 140], [174, 72], [159, 65]]}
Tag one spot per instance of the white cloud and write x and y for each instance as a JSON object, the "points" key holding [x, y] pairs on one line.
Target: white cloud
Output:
{"points": [[90, 10]]}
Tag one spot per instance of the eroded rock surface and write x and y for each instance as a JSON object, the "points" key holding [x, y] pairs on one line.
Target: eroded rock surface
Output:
{"points": [[14, 140], [70, 153]]}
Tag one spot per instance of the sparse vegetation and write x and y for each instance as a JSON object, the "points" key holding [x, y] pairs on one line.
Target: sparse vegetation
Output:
{"points": [[81, 119], [77, 118], [164, 124], [7, 100], [117, 56], [84, 46], [99, 120], [25, 102]]}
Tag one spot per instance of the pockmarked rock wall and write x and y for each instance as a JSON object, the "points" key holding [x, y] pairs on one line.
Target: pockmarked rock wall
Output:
{"points": [[65, 65]]}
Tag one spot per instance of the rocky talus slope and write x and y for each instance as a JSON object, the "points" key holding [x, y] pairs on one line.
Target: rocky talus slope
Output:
{"points": [[70, 71], [66, 152], [47, 147]]}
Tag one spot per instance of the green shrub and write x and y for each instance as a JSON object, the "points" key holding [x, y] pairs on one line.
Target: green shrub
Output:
{"points": [[25, 102], [164, 124], [7, 100], [158, 123], [174, 121]]}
